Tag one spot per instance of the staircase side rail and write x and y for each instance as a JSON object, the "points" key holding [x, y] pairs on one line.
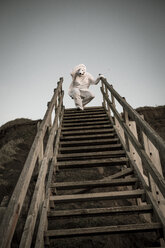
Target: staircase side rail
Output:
{"points": [[149, 196], [147, 163], [15, 204], [39, 191], [42, 226], [142, 124]]}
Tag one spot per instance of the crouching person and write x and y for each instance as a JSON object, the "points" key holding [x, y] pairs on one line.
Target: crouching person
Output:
{"points": [[79, 88]]}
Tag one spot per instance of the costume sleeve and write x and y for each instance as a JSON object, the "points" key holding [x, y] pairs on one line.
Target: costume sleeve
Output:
{"points": [[91, 79]]}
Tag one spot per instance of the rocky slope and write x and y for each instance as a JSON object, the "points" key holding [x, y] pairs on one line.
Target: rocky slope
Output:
{"points": [[16, 138], [155, 116]]}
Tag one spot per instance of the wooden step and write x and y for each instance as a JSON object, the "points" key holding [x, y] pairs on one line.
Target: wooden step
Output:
{"points": [[88, 123], [92, 163], [88, 142], [127, 194], [84, 113], [65, 118], [94, 119], [87, 109], [101, 211], [87, 127], [88, 155], [122, 173], [87, 137], [94, 183], [90, 148], [144, 227], [90, 131]]}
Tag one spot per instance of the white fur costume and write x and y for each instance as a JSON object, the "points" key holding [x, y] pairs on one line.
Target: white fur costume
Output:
{"points": [[79, 88]]}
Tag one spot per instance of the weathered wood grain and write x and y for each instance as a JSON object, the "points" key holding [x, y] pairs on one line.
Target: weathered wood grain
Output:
{"points": [[144, 126], [97, 196], [103, 230], [92, 163], [147, 163], [101, 211], [94, 183]]}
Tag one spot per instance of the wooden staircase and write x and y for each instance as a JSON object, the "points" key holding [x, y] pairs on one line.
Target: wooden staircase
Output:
{"points": [[94, 184], [92, 178]]}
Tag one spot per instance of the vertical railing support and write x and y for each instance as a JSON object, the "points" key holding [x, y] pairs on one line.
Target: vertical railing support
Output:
{"points": [[140, 158], [12, 213]]}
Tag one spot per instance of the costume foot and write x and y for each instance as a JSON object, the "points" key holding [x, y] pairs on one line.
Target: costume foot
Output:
{"points": [[80, 109]]}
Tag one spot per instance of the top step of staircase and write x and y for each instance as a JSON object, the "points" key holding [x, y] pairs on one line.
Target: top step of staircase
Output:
{"points": [[87, 109]]}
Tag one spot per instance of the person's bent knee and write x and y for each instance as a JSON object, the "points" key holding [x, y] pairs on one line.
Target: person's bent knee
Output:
{"points": [[74, 93]]}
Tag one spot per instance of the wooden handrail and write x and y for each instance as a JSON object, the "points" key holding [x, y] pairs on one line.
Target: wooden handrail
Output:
{"points": [[40, 185], [145, 127], [146, 160], [139, 155], [43, 216], [149, 195], [13, 210]]}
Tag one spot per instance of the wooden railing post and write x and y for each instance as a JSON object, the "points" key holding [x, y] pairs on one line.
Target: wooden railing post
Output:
{"points": [[158, 142], [127, 122], [41, 150], [37, 199], [49, 119], [146, 128], [139, 158], [104, 102], [108, 108], [154, 156], [53, 167], [14, 208]]}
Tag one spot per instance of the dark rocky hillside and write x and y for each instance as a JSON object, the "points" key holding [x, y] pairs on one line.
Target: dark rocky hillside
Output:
{"points": [[16, 138], [155, 116]]}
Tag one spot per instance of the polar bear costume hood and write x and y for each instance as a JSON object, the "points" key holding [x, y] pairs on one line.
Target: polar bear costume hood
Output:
{"points": [[76, 68]]}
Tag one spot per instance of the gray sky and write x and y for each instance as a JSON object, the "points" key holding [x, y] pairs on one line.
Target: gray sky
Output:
{"points": [[42, 40]]}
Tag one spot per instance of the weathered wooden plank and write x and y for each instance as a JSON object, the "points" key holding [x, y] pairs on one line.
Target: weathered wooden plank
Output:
{"points": [[87, 127], [94, 183], [83, 113], [34, 207], [88, 142], [42, 226], [15, 205], [90, 131], [149, 196], [120, 174], [102, 122], [144, 126], [153, 153], [97, 196], [36, 201], [80, 117], [91, 154], [147, 163], [101, 211], [89, 136], [89, 148], [94, 119], [157, 211], [87, 109], [92, 163], [103, 230]]}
